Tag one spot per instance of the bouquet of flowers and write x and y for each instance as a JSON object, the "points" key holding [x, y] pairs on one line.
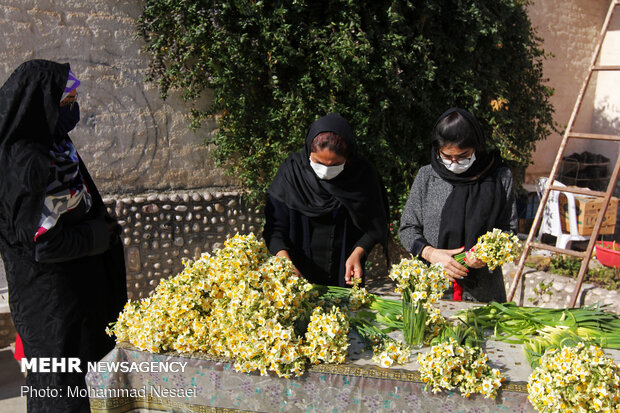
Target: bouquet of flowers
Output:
{"points": [[240, 303], [421, 287], [389, 351], [575, 379], [327, 336], [449, 365], [494, 249]]}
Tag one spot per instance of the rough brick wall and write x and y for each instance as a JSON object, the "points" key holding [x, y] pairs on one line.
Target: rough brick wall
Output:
{"points": [[570, 30], [129, 138]]}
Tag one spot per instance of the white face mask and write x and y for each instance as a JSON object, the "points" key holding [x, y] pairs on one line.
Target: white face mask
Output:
{"points": [[458, 168], [326, 172]]}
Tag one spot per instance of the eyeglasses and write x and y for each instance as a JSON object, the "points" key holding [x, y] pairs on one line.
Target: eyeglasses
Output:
{"points": [[459, 161]]}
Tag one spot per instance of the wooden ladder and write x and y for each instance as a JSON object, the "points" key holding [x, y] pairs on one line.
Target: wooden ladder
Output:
{"points": [[606, 196]]}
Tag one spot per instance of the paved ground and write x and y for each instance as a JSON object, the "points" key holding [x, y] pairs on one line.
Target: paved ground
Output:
{"points": [[11, 380]]}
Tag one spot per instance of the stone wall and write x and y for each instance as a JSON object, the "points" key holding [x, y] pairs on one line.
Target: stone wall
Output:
{"points": [[130, 139], [160, 229], [133, 141]]}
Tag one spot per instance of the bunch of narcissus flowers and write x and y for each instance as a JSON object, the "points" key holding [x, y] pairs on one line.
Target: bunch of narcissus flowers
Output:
{"points": [[389, 351], [385, 312], [359, 296], [326, 337], [575, 379], [421, 283], [449, 365], [495, 248], [240, 303]]}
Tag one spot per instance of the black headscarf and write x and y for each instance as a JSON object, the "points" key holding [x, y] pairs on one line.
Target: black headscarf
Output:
{"points": [[29, 107], [475, 204], [358, 187]]}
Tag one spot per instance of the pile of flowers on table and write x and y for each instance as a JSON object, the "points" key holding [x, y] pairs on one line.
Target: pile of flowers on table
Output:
{"points": [[244, 304], [449, 365], [570, 370], [575, 379], [241, 303]]}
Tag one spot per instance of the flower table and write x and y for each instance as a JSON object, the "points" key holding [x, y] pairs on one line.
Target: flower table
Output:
{"points": [[209, 384]]}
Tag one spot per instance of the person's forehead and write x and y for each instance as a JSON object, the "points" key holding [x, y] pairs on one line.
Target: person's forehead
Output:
{"points": [[454, 150], [326, 154]]}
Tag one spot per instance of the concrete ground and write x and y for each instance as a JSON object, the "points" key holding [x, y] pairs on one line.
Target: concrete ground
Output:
{"points": [[11, 380]]}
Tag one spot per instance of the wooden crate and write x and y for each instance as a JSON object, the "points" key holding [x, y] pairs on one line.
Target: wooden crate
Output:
{"points": [[587, 211]]}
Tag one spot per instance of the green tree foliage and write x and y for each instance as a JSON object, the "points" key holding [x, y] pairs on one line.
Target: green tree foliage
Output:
{"points": [[390, 67]]}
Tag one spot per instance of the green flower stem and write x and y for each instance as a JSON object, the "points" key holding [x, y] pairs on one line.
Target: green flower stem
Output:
{"points": [[414, 323], [460, 258], [541, 328]]}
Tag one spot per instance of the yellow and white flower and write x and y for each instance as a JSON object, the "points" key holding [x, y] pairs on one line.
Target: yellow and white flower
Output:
{"points": [[575, 379], [240, 303], [448, 365], [496, 248]]}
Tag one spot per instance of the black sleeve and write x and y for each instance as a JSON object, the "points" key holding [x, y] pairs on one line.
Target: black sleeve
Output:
{"points": [[508, 220], [277, 222], [67, 242], [417, 246], [366, 242]]}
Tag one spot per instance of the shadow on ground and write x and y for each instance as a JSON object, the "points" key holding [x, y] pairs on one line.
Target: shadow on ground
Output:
{"points": [[377, 268], [11, 378]]}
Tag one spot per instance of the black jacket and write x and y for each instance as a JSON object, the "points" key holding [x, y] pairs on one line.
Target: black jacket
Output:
{"points": [[62, 301]]}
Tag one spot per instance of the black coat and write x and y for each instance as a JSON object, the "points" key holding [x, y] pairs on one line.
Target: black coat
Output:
{"points": [[62, 303]]}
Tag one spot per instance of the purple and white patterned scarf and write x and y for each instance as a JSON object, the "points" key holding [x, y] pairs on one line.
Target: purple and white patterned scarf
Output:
{"points": [[65, 189], [72, 84]]}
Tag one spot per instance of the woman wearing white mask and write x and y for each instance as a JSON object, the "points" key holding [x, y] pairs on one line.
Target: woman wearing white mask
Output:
{"points": [[326, 207], [464, 192]]}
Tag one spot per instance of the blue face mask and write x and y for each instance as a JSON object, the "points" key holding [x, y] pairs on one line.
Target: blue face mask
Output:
{"points": [[68, 118]]}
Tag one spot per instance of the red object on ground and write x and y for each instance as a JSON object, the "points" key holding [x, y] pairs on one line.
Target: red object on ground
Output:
{"points": [[457, 292], [19, 348], [606, 254]]}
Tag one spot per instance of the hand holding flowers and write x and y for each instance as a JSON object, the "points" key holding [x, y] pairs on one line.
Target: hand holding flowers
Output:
{"points": [[493, 249], [454, 268]]}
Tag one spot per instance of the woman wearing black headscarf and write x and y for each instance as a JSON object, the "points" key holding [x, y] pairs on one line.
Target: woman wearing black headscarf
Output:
{"points": [[326, 207], [62, 254], [464, 192]]}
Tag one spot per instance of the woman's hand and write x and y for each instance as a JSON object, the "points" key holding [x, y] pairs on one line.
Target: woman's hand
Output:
{"points": [[353, 266], [452, 267], [284, 254], [473, 262]]}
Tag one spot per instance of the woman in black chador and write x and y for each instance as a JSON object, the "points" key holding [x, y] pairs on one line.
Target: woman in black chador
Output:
{"points": [[326, 207], [61, 250]]}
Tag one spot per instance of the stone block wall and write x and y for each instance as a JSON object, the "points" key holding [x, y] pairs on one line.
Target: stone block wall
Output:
{"points": [[160, 229], [130, 139]]}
